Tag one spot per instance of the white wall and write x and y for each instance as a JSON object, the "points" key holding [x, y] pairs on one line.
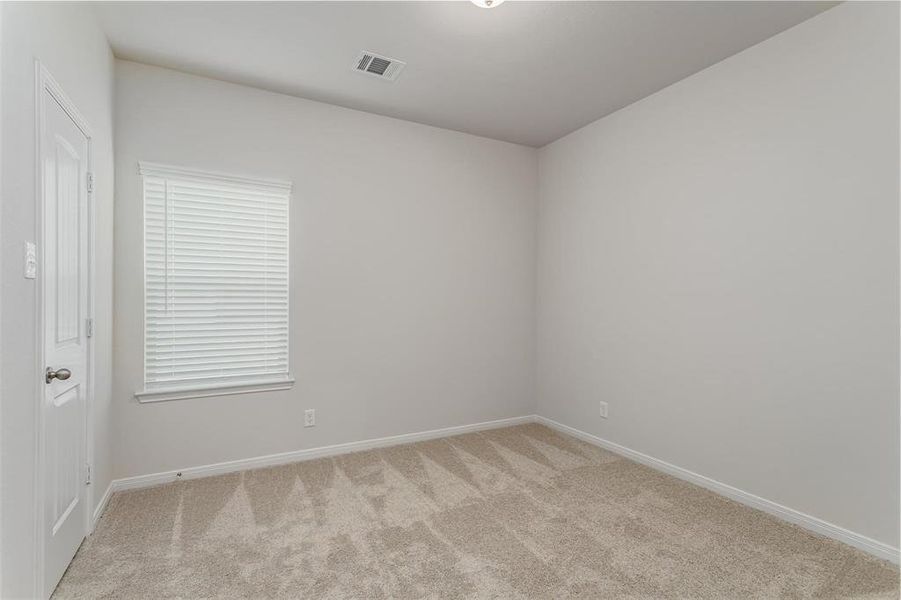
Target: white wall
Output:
{"points": [[720, 263], [67, 40], [412, 270]]}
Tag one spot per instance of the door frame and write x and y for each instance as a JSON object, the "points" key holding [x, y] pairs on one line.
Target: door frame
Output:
{"points": [[45, 83]]}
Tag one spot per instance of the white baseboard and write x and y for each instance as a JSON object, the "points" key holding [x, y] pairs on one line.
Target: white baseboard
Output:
{"points": [[271, 460], [101, 506], [862, 542]]}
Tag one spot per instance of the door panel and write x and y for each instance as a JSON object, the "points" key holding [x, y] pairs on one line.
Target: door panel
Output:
{"points": [[65, 280], [68, 203], [63, 446]]}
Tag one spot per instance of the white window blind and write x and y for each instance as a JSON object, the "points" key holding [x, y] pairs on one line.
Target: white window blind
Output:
{"points": [[216, 280]]}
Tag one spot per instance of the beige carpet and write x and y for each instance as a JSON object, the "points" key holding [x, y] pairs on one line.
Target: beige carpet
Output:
{"points": [[521, 512]]}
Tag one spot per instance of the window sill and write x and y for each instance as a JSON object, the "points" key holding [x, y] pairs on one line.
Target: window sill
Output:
{"points": [[207, 391]]}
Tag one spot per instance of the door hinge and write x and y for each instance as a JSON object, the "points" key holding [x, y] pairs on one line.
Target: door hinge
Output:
{"points": [[90, 183], [89, 327], [87, 478]]}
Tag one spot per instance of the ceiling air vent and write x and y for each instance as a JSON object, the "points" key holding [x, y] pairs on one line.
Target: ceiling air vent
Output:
{"points": [[379, 66]]}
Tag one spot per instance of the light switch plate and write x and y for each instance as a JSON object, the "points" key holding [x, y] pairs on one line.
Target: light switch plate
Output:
{"points": [[31, 261]]}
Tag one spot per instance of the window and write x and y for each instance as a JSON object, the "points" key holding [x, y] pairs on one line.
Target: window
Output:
{"points": [[215, 284]]}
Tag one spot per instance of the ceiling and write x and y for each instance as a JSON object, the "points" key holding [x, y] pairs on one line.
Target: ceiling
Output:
{"points": [[523, 72]]}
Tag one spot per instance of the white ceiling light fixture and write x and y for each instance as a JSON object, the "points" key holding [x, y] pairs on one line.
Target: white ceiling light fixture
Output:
{"points": [[487, 3]]}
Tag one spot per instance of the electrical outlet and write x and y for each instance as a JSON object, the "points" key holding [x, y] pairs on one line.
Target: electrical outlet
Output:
{"points": [[603, 410], [309, 417]]}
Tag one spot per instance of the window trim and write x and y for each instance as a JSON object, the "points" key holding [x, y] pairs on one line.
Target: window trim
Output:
{"points": [[207, 391], [194, 390]]}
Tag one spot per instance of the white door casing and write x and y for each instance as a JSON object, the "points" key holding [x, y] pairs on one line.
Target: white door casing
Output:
{"points": [[65, 279]]}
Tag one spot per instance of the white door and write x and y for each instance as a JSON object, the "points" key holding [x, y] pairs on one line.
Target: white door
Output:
{"points": [[65, 281]]}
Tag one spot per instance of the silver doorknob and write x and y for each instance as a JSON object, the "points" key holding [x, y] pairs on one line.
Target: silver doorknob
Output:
{"points": [[61, 374]]}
